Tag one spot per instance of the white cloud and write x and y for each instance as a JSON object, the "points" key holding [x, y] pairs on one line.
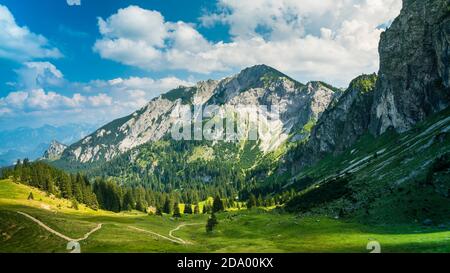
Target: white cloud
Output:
{"points": [[38, 99], [19, 43], [142, 38], [135, 24], [332, 40], [74, 2], [38, 74], [95, 101]]}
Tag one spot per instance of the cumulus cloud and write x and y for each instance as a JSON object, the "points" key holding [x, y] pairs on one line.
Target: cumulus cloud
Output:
{"points": [[95, 101], [74, 2], [332, 40], [38, 74], [19, 43]]}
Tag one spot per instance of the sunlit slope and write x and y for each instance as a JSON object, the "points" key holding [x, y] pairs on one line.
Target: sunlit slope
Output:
{"points": [[396, 178], [243, 231]]}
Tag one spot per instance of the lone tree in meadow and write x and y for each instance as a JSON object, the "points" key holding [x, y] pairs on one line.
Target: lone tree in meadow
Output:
{"points": [[217, 205], [30, 196], [211, 223]]}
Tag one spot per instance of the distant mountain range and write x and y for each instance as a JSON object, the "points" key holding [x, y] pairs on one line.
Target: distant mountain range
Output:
{"points": [[31, 143]]}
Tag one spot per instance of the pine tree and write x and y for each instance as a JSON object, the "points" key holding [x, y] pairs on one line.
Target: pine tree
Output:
{"points": [[176, 210], [211, 223], [217, 205], [197, 209], [140, 206], [128, 200], [251, 203], [259, 201], [167, 208], [188, 209], [159, 211], [74, 204]]}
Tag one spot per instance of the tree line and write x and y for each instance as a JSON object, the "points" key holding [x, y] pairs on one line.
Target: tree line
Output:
{"points": [[53, 181], [114, 195]]}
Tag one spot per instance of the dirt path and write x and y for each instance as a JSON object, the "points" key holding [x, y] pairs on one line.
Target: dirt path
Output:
{"points": [[156, 234], [178, 228], [49, 229], [171, 237]]}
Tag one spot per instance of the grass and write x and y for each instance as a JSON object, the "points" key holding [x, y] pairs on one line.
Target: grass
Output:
{"points": [[242, 231], [387, 176]]}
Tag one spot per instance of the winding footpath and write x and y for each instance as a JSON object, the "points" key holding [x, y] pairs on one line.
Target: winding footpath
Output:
{"points": [[178, 228], [49, 229], [171, 237]]}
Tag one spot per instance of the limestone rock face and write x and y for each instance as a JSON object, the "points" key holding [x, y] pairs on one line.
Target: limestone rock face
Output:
{"points": [[256, 86], [413, 83], [342, 123], [414, 66], [54, 151]]}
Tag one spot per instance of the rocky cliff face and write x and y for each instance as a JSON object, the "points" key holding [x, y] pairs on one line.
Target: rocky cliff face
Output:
{"points": [[414, 66], [54, 151], [413, 83], [256, 86], [340, 125], [150, 123], [343, 123]]}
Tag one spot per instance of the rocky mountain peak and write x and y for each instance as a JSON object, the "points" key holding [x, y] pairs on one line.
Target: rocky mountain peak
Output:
{"points": [[256, 86], [55, 150], [414, 66]]}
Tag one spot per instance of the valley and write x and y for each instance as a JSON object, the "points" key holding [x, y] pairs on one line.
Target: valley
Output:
{"points": [[238, 231], [329, 170]]}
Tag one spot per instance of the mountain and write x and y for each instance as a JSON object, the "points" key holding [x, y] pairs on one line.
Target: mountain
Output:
{"points": [[54, 151], [341, 125], [414, 67], [363, 152], [31, 143], [260, 85], [381, 152], [412, 84]]}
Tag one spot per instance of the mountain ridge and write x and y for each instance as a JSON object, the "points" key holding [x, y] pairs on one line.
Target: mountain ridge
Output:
{"points": [[257, 85]]}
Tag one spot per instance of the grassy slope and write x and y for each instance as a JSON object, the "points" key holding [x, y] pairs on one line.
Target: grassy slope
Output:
{"points": [[387, 175], [244, 231]]}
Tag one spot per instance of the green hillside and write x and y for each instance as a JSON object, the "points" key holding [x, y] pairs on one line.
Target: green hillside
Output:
{"points": [[239, 231], [396, 178]]}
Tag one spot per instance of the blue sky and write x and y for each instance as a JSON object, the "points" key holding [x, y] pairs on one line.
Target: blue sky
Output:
{"points": [[71, 61]]}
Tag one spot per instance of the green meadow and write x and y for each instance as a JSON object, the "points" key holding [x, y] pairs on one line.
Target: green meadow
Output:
{"points": [[254, 230]]}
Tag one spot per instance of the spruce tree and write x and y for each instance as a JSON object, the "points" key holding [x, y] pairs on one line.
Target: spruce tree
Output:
{"points": [[251, 203], [74, 204], [176, 210], [217, 205], [159, 211], [188, 209], [211, 223], [167, 208]]}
